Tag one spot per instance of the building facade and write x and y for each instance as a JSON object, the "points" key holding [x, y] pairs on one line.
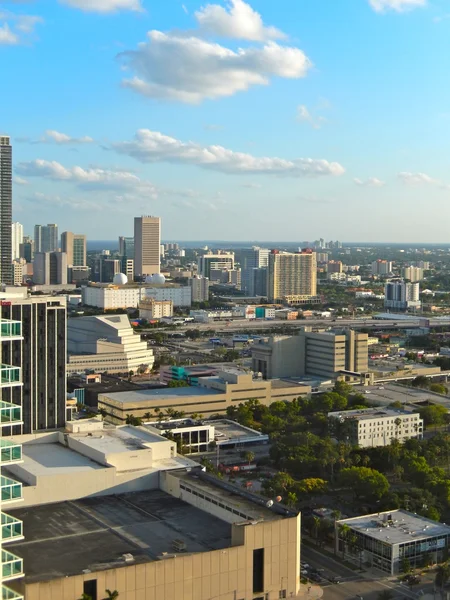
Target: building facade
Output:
{"points": [[27, 248], [200, 288], [50, 268], [111, 297], [402, 295], [46, 238], [220, 261], [413, 274], [382, 267], [252, 258], [74, 245], [292, 276], [126, 251], [153, 309], [6, 275], [16, 239], [147, 242]]}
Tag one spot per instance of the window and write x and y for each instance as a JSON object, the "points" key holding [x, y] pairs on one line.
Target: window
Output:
{"points": [[90, 588], [258, 570], [282, 594]]}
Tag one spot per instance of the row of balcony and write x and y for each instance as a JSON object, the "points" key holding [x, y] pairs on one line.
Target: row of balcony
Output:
{"points": [[10, 376], [10, 414], [10, 490], [10, 452], [8, 594], [12, 566], [12, 528], [10, 329]]}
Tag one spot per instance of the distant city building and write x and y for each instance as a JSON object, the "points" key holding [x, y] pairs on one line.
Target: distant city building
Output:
{"points": [[46, 238], [291, 276], [259, 281], [6, 274], [322, 354], [26, 249], [334, 266], [413, 274], [322, 257], [19, 266], [50, 268], [16, 239], [149, 309], [78, 274], [108, 268], [200, 288], [105, 343], [401, 295], [221, 261], [126, 251], [147, 242], [74, 245], [252, 258], [382, 267], [235, 278], [129, 296]]}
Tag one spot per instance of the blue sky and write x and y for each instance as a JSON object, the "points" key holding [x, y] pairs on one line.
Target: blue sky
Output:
{"points": [[287, 120]]}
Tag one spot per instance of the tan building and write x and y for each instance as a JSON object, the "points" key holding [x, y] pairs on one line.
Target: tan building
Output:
{"points": [[152, 309], [19, 270], [323, 354], [334, 266], [74, 245], [292, 276], [413, 274], [200, 288], [212, 395], [147, 243]]}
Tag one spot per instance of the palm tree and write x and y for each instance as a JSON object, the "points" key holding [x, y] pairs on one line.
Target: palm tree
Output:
{"points": [[397, 423], [148, 416], [111, 595], [343, 533], [249, 457], [85, 597]]}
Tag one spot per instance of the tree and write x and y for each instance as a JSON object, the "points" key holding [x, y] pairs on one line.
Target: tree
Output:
{"points": [[249, 457], [311, 486], [438, 388], [364, 482], [433, 415], [343, 389], [111, 595], [406, 566], [132, 420], [148, 416], [85, 596], [420, 381], [174, 383]]}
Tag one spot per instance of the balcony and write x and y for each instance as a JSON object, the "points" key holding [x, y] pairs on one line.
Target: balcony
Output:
{"points": [[8, 594], [11, 490], [12, 528], [10, 376], [10, 330], [12, 566], [10, 452], [10, 414]]}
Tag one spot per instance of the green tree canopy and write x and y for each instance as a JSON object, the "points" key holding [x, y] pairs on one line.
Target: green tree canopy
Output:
{"points": [[364, 482]]}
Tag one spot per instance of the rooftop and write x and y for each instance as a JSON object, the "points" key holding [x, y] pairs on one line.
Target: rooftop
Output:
{"points": [[369, 413], [227, 431], [397, 526], [120, 439], [67, 538], [157, 395], [387, 393]]}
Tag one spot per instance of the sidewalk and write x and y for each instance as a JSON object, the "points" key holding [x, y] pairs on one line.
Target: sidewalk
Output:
{"points": [[309, 592]]}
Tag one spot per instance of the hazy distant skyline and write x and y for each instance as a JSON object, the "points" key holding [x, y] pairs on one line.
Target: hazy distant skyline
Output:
{"points": [[230, 120]]}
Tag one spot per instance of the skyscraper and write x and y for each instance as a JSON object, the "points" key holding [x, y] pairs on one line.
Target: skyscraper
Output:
{"points": [[126, 251], [41, 355], [16, 239], [147, 240], [6, 275], [252, 258], [50, 268], [292, 276], [74, 245], [46, 238]]}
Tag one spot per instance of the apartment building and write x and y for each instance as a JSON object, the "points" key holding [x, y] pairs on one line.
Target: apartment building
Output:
{"points": [[220, 261], [74, 245], [200, 288], [401, 295], [127, 296], [292, 277], [413, 274], [153, 309], [382, 267], [372, 427]]}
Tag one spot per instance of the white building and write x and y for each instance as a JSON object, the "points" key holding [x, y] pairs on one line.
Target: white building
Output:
{"points": [[200, 288], [413, 274], [373, 427], [112, 297], [401, 295], [105, 344], [16, 239], [153, 309], [220, 261], [382, 267]]}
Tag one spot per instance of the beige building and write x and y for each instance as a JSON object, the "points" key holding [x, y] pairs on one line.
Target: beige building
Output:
{"points": [[74, 245], [154, 309], [292, 277], [413, 274], [19, 270], [212, 395], [323, 354], [147, 243], [200, 288], [50, 268], [221, 261]]}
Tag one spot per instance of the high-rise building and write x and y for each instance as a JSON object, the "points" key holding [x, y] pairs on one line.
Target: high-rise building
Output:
{"points": [[46, 238], [292, 277], [74, 245], [252, 258], [26, 250], [147, 242], [108, 268], [6, 274], [200, 288], [50, 268], [334, 266], [16, 239], [19, 266], [413, 274], [41, 355], [126, 251], [381, 267], [259, 281], [401, 295], [12, 528], [220, 261]]}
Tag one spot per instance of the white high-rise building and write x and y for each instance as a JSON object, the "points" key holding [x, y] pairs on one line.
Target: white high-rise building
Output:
{"points": [[16, 239], [401, 295], [382, 267], [413, 274]]}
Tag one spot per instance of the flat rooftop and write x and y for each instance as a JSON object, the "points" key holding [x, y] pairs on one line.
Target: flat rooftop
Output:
{"points": [[233, 432], [120, 439], [385, 394], [67, 538], [396, 527], [369, 413], [157, 395]]}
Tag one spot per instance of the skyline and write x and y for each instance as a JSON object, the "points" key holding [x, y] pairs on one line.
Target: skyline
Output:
{"points": [[328, 114]]}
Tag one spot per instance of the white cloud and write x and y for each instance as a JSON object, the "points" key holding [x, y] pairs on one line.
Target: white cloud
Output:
{"points": [[305, 116], [20, 181], [237, 20], [418, 179], [16, 29], [371, 182], [61, 138], [152, 146], [189, 69], [183, 6], [252, 186], [396, 5], [7, 37], [104, 6]]}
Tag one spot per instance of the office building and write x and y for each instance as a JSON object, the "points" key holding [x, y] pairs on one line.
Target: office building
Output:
{"points": [[11, 453], [200, 288], [126, 251], [252, 258], [105, 344], [413, 274], [128, 296], [19, 270], [334, 266], [41, 355], [382, 267], [78, 275], [26, 249], [221, 261], [153, 309], [401, 295], [292, 277], [74, 245], [324, 355], [109, 267], [385, 540], [259, 282], [16, 239], [5, 210], [147, 242], [373, 427], [50, 268], [46, 238]]}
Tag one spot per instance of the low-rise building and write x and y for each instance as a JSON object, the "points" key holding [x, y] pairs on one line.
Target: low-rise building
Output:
{"points": [[384, 540], [110, 297], [153, 309], [371, 427]]}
